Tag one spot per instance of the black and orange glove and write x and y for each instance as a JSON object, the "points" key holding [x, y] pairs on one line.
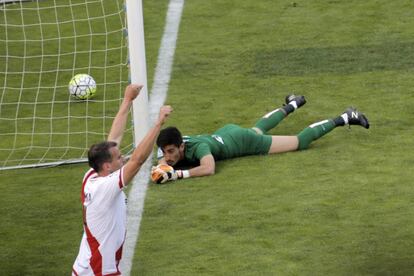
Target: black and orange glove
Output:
{"points": [[163, 173]]}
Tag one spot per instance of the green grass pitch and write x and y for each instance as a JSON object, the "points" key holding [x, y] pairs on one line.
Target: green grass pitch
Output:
{"points": [[342, 207]]}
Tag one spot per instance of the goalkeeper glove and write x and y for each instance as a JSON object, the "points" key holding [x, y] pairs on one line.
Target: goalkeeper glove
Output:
{"points": [[163, 173]]}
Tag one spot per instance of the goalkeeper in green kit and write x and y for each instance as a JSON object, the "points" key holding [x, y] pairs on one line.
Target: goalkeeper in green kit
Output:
{"points": [[192, 156]]}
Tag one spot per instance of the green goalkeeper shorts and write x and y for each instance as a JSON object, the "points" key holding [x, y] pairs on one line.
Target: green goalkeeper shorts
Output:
{"points": [[244, 141]]}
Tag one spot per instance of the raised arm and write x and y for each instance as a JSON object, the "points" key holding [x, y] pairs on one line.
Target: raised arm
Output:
{"points": [[119, 123], [143, 150]]}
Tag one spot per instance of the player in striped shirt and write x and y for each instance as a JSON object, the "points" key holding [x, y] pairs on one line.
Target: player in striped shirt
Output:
{"points": [[102, 196]]}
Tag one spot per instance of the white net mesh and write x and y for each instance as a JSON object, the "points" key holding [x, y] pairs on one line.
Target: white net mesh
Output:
{"points": [[42, 45]]}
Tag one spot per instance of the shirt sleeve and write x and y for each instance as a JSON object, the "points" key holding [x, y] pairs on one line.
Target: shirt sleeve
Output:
{"points": [[201, 150]]}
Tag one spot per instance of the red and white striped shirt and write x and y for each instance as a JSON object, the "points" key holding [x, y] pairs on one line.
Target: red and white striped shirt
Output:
{"points": [[104, 214]]}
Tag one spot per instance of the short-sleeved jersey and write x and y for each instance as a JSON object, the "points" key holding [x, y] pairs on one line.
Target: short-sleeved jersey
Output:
{"points": [[229, 141], [104, 213]]}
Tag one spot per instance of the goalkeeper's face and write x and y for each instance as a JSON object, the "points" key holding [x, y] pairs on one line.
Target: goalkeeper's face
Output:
{"points": [[173, 154]]}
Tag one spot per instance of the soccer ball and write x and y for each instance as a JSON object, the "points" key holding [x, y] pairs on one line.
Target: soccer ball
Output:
{"points": [[82, 87]]}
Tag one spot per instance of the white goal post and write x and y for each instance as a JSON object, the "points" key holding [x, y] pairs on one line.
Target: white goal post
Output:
{"points": [[138, 69], [42, 45]]}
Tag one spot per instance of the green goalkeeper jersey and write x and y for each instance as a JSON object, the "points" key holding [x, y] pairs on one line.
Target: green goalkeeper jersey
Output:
{"points": [[228, 142]]}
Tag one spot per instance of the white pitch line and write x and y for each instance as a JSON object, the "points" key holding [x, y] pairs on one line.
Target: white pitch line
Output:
{"points": [[158, 95]]}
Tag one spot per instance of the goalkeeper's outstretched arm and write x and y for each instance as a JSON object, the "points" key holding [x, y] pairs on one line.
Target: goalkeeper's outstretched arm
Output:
{"points": [[119, 123], [162, 174], [207, 167]]}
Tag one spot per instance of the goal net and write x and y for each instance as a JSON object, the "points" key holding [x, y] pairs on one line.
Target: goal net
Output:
{"points": [[42, 45]]}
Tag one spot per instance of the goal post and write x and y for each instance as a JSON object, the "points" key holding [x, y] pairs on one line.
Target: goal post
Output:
{"points": [[43, 44], [138, 71]]}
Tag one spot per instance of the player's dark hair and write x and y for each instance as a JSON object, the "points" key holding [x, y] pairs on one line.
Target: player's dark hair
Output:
{"points": [[169, 136], [99, 154]]}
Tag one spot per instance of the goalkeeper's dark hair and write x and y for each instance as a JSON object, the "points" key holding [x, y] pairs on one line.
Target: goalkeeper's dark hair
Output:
{"points": [[99, 154], [169, 136]]}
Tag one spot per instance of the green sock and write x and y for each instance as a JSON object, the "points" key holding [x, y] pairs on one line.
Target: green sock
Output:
{"points": [[314, 132], [270, 120]]}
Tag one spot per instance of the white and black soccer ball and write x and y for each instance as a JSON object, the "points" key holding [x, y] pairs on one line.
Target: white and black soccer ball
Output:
{"points": [[82, 87]]}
